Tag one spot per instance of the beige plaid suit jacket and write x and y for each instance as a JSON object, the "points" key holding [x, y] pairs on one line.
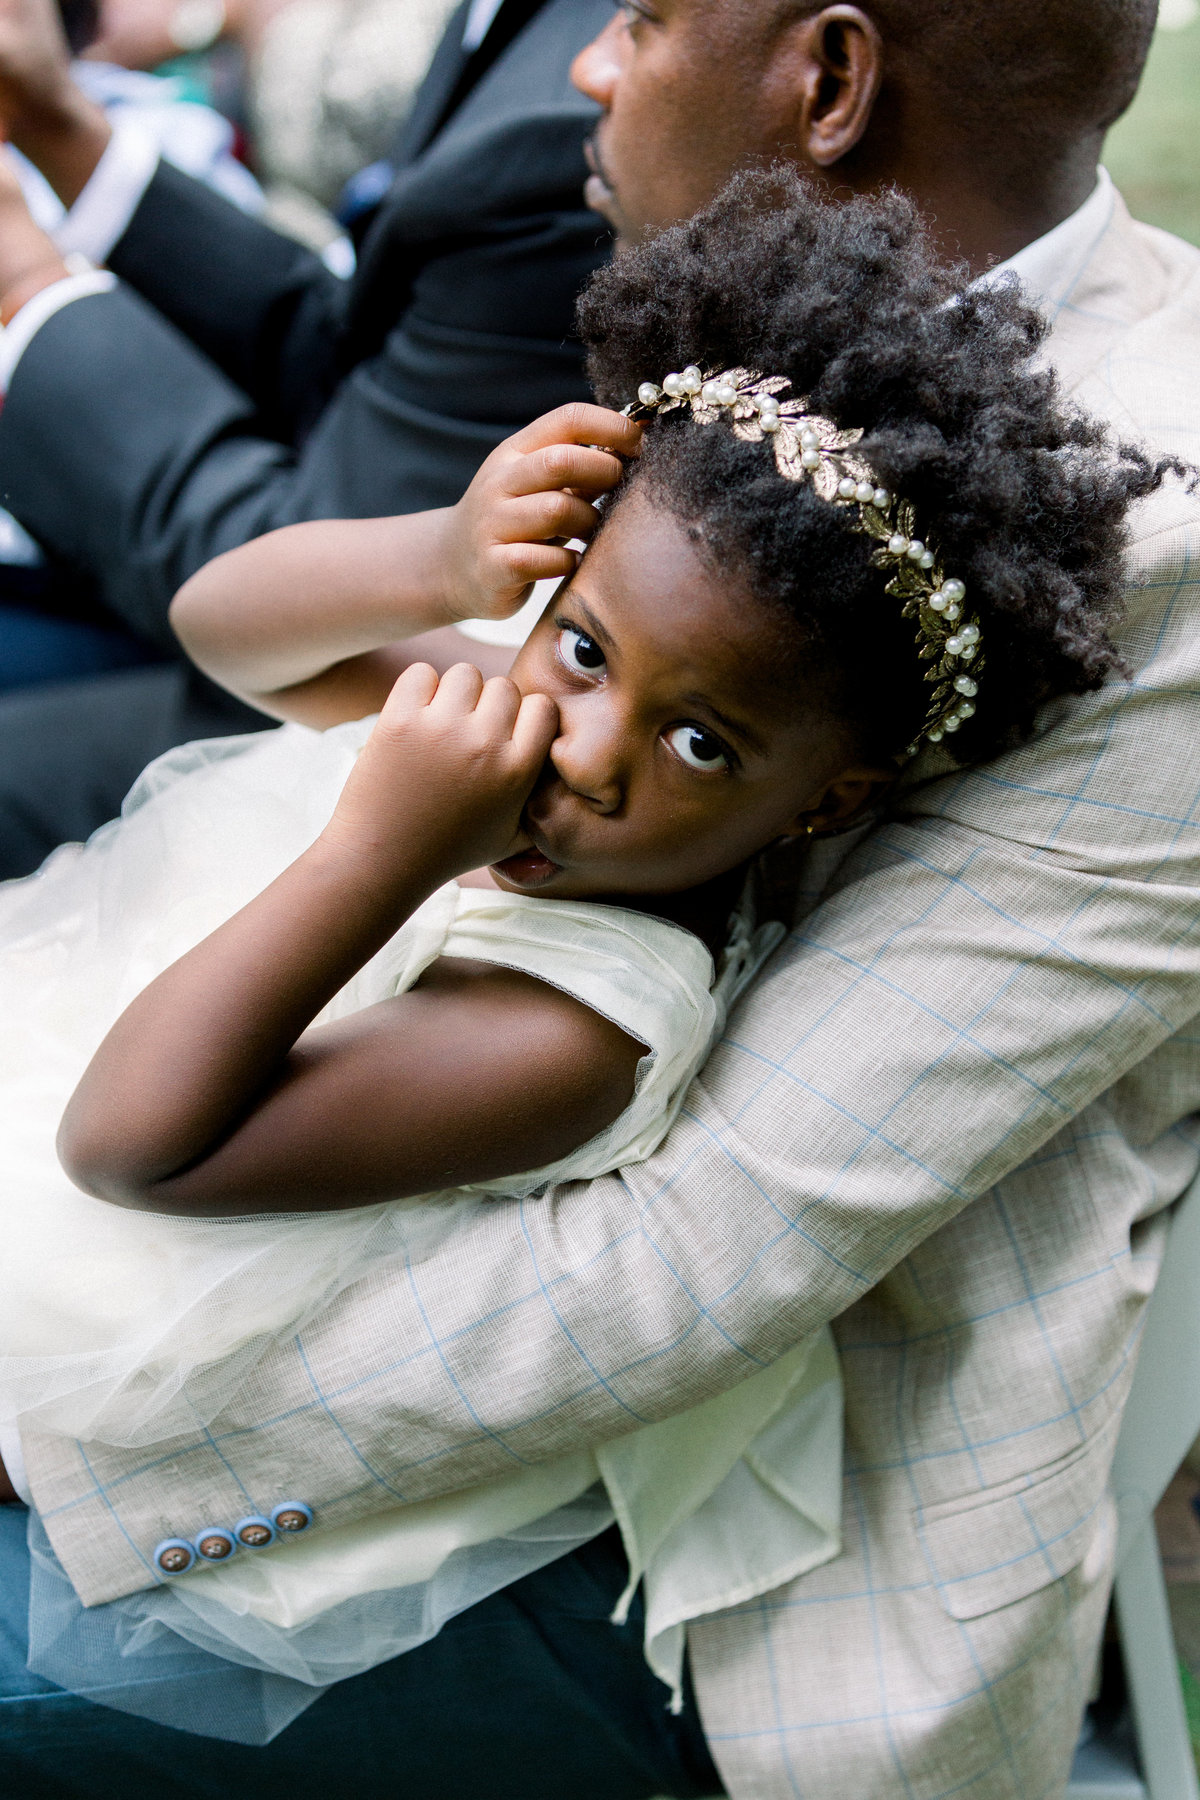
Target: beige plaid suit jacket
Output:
{"points": [[948, 1118]]}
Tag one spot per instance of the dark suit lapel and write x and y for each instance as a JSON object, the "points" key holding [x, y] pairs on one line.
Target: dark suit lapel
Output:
{"points": [[375, 295], [452, 75], [441, 79]]}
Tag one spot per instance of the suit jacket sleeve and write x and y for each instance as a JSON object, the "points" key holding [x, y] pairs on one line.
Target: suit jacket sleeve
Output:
{"points": [[263, 308], [991, 960]]}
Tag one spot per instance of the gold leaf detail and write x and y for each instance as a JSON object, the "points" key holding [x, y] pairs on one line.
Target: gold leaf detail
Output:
{"points": [[787, 456], [825, 480], [906, 581], [832, 438], [911, 585], [854, 465]]}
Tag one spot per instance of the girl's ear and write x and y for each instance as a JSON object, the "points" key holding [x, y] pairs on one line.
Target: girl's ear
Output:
{"points": [[848, 797]]}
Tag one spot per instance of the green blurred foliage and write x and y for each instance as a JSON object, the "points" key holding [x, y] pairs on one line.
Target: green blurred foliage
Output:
{"points": [[1153, 153]]}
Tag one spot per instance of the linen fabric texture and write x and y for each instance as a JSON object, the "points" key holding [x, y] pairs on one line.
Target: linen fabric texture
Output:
{"points": [[950, 1118]]}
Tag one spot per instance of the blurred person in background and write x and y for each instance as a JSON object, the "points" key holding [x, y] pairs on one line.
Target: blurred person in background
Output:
{"points": [[229, 382], [328, 82], [51, 624], [321, 86]]}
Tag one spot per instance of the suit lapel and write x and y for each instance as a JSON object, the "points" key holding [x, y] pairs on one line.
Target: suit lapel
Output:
{"points": [[449, 61], [1125, 277], [453, 73]]}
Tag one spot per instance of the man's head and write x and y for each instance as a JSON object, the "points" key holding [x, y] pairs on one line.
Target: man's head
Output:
{"points": [[990, 113]]}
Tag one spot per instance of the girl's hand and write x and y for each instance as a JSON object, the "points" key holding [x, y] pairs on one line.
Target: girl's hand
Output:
{"points": [[532, 494], [441, 782]]}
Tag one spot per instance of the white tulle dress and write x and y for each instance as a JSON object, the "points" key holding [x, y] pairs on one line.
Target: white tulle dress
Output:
{"points": [[131, 1328]]}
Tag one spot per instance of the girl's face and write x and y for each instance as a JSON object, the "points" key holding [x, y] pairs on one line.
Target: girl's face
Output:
{"points": [[688, 739]]}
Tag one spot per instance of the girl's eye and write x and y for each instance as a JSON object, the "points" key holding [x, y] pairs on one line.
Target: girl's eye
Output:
{"points": [[698, 748], [579, 651]]}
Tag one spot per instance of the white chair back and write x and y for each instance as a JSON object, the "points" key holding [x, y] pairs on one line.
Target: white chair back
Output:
{"points": [[1162, 1421]]}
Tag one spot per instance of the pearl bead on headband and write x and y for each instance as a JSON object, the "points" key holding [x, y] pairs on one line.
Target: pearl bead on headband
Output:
{"points": [[809, 448]]}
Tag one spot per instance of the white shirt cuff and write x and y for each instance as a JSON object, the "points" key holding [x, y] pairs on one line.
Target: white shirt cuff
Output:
{"points": [[16, 336], [103, 210], [13, 1458]]}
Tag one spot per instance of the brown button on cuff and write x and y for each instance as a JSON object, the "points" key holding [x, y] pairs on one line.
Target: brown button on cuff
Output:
{"points": [[174, 1556], [291, 1516], [254, 1532], [215, 1544]]}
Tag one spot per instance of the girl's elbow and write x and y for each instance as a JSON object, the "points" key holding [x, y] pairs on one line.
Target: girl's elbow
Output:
{"points": [[100, 1169], [185, 608]]}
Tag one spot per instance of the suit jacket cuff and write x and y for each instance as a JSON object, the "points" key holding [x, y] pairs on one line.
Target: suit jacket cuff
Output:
{"points": [[105, 1511], [25, 325]]}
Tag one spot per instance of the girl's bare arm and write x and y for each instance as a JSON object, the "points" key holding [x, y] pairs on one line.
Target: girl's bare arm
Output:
{"points": [[211, 1096], [306, 621]]}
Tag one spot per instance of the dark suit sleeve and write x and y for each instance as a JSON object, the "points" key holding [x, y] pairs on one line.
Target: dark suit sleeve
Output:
{"points": [[131, 457], [261, 306]]}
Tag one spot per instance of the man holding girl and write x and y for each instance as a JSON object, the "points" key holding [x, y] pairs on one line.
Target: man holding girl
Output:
{"points": [[949, 1117]]}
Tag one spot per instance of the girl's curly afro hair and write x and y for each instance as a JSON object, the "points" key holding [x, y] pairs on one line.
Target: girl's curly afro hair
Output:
{"points": [[1024, 497]]}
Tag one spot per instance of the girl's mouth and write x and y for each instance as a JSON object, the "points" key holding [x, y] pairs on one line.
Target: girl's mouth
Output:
{"points": [[528, 868]]}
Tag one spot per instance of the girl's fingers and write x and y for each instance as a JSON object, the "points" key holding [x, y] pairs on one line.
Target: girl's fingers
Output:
{"points": [[499, 703], [527, 563], [535, 729], [545, 515], [459, 689], [412, 689], [581, 423], [564, 466]]}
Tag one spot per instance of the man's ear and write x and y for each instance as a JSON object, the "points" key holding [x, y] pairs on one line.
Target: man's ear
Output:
{"points": [[849, 797], [832, 63]]}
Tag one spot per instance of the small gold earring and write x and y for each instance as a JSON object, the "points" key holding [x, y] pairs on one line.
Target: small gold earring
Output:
{"points": [[809, 829]]}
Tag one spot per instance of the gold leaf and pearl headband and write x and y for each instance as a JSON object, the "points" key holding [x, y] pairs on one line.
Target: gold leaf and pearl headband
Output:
{"points": [[813, 449]]}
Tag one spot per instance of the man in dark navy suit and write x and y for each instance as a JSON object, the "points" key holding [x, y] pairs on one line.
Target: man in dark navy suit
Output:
{"points": [[228, 382]]}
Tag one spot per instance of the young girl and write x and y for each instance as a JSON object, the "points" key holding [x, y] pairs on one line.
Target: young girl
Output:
{"points": [[330, 989]]}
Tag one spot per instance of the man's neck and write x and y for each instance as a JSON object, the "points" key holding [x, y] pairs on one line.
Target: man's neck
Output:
{"points": [[984, 221], [983, 234]]}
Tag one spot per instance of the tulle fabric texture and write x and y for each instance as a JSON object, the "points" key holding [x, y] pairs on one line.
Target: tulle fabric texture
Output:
{"points": [[158, 1657], [130, 1329]]}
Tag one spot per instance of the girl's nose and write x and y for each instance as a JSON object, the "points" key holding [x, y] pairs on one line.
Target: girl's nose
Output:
{"points": [[586, 755]]}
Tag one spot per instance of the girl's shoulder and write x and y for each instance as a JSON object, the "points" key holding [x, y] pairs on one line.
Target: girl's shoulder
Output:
{"points": [[650, 977], [639, 969], [654, 979]]}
